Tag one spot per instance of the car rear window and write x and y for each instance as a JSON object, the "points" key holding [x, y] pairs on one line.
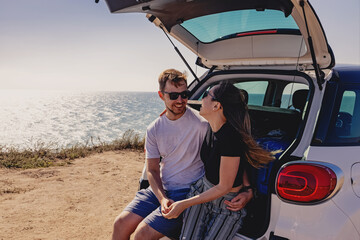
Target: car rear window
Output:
{"points": [[256, 91], [235, 23]]}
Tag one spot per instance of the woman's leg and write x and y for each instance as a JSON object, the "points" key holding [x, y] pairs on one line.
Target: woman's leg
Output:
{"points": [[194, 222], [194, 217], [225, 225]]}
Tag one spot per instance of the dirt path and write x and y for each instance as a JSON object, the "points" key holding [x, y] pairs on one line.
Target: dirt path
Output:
{"points": [[79, 201]]}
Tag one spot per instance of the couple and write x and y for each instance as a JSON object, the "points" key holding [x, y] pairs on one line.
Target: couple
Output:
{"points": [[204, 165]]}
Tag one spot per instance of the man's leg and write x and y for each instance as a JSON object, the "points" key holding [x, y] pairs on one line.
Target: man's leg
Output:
{"points": [[125, 224], [144, 203], [155, 226], [145, 232]]}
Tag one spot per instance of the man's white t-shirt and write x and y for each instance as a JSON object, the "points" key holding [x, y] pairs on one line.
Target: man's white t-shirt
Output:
{"points": [[178, 143]]}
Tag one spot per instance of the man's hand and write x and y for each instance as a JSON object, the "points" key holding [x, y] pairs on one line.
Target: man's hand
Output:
{"points": [[165, 204], [175, 210], [239, 201]]}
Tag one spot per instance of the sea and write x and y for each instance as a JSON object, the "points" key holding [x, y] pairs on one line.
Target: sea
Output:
{"points": [[29, 118], [58, 119]]}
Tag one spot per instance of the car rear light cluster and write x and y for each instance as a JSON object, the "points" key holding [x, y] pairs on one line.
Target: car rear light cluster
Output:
{"points": [[305, 182]]}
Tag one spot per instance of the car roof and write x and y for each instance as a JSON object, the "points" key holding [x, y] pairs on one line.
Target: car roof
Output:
{"points": [[348, 73]]}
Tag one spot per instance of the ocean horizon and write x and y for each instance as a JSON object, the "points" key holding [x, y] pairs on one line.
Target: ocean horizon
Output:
{"points": [[65, 118]]}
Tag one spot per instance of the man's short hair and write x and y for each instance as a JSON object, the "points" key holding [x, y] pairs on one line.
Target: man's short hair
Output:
{"points": [[172, 75]]}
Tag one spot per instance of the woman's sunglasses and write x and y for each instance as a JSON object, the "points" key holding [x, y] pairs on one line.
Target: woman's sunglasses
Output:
{"points": [[207, 93], [175, 95]]}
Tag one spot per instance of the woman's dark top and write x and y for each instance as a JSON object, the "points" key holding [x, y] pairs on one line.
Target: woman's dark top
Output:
{"points": [[226, 142]]}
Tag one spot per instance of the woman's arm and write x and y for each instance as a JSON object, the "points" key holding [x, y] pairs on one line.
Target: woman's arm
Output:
{"points": [[227, 174]]}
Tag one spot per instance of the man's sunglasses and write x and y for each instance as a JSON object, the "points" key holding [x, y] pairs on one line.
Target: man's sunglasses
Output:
{"points": [[207, 93], [175, 95]]}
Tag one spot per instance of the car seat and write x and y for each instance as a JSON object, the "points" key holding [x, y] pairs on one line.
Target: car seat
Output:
{"points": [[245, 94], [343, 124], [299, 99]]}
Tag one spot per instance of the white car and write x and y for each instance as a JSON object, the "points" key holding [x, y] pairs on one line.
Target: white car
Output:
{"points": [[277, 51]]}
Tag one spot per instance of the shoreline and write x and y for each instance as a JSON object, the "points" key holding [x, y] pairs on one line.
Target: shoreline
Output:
{"points": [[46, 155], [75, 201]]}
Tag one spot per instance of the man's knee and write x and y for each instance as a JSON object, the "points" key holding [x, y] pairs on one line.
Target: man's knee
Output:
{"points": [[144, 231], [119, 222], [126, 223]]}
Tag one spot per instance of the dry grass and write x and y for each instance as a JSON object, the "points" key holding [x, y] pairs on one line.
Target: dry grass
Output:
{"points": [[45, 155]]}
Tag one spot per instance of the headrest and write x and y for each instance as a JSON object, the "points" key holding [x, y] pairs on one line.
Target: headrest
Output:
{"points": [[299, 99], [245, 94]]}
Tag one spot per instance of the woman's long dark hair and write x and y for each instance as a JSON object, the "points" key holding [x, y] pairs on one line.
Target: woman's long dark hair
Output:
{"points": [[235, 109]]}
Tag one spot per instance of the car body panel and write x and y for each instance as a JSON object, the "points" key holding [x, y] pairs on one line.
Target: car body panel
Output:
{"points": [[302, 222], [324, 221], [344, 157], [248, 50]]}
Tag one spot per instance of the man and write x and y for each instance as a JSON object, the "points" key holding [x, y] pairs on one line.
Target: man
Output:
{"points": [[176, 136]]}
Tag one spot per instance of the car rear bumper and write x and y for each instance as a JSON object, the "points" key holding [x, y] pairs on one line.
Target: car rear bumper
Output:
{"points": [[323, 221]]}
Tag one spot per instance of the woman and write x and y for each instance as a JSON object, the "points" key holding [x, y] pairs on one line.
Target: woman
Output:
{"points": [[227, 152]]}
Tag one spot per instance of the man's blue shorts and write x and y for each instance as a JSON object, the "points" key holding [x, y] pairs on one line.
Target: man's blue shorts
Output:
{"points": [[146, 205]]}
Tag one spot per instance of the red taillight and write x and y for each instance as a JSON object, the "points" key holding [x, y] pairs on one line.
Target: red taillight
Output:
{"points": [[305, 182]]}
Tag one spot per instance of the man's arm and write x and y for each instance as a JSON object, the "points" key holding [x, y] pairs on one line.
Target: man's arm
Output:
{"points": [[242, 198], [153, 174]]}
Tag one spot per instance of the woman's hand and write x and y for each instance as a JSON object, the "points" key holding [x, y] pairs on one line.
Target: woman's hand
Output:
{"points": [[175, 210]]}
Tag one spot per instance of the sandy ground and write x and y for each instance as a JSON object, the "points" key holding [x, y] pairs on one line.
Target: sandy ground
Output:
{"points": [[78, 201]]}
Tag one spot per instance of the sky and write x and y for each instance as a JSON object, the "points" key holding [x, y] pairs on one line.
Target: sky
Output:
{"points": [[80, 45]]}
